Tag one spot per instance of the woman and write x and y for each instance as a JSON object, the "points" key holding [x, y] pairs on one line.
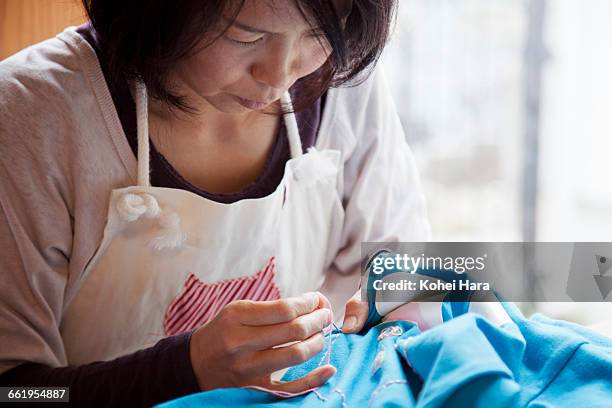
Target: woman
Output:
{"points": [[164, 210]]}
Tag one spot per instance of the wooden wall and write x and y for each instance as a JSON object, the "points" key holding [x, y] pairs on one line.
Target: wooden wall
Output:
{"points": [[26, 22]]}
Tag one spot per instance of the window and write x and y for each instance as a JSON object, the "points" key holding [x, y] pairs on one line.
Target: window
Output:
{"points": [[507, 106]]}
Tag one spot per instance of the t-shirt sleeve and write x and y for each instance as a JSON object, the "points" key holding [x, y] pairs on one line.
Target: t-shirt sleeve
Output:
{"points": [[382, 197], [45, 160], [35, 242], [163, 372]]}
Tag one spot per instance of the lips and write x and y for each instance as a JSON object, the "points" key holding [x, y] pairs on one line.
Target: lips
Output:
{"points": [[250, 104]]}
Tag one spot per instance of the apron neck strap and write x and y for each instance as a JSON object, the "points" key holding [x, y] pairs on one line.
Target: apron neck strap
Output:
{"points": [[293, 134], [142, 124]]}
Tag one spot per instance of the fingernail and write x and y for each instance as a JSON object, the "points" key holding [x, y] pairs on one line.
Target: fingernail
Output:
{"points": [[326, 373], [329, 373], [349, 323]]}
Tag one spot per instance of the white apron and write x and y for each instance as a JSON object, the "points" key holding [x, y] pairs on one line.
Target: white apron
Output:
{"points": [[169, 259]]}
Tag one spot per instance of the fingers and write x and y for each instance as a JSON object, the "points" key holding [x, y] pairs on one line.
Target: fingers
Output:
{"points": [[324, 303], [270, 360], [355, 315], [315, 378], [299, 329], [249, 334], [264, 313]]}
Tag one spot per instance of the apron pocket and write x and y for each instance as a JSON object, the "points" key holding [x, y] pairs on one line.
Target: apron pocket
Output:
{"points": [[200, 302]]}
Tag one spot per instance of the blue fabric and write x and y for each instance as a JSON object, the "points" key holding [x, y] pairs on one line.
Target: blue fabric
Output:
{"points": [[467, 361], [353, 356]]}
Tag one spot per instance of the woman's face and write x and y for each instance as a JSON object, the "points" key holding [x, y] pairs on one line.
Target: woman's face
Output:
{"points": [[267, 49]]}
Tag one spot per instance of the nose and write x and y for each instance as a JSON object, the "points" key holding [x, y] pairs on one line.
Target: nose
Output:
{"points": [[276, 68]]}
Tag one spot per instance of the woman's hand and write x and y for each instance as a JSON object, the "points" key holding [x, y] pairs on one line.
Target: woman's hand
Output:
{"points": [[240, 346], [355, 314]]}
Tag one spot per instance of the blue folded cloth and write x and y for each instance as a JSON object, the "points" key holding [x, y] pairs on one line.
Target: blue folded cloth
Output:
{"points": [[467, 361]]}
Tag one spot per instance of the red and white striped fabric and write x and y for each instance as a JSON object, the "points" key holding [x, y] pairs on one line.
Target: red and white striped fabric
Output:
{"points": [[199, 302]]}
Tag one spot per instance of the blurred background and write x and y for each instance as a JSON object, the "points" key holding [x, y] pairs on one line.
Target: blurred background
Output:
{"points": [[506, 105], [25, 22]]}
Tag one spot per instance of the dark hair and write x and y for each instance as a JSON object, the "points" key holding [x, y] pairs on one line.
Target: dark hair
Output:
{"points": [[145, 38]]}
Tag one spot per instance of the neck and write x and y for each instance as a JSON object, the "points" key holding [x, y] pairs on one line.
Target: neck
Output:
{"points": [[204, 122], [209, 129]]}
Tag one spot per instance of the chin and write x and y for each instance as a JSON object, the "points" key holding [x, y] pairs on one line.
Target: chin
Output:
{"points": [[226, 105]]}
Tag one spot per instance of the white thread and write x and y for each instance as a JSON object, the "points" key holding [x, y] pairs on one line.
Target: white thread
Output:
{"points": [[336, 390], [342, 396], [385, 385], [333, 338], [390, 331]]}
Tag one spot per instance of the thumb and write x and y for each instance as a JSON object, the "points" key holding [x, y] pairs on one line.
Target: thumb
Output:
{"points": [[355, 315]]}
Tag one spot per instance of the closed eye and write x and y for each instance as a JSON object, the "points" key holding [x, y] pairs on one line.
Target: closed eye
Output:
{"points": [[245, 43]]}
